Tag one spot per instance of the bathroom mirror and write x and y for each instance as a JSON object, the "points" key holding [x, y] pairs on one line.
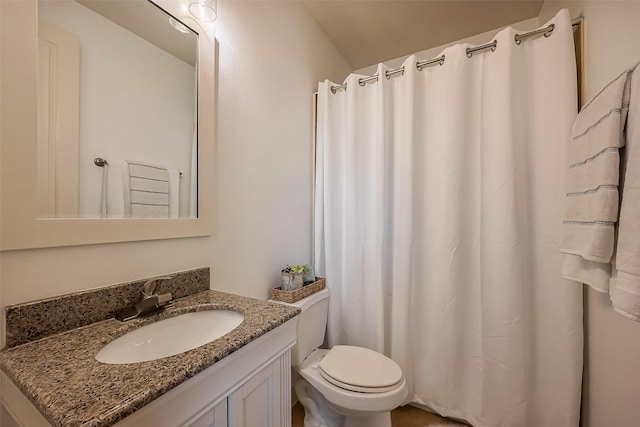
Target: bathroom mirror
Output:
{"points": [[24, 222], [117, 111]]}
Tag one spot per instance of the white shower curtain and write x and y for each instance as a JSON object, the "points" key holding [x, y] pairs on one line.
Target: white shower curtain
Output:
{"points": [[438, 210]]}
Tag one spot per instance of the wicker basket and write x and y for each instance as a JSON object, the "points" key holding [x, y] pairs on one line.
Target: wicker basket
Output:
{"points": [[296, 295]]}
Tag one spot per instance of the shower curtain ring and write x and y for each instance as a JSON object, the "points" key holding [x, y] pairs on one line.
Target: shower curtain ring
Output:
{"points": [[551, 28]]}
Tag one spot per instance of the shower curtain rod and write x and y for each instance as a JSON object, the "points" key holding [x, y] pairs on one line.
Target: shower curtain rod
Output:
{"points": [[546, 32]]}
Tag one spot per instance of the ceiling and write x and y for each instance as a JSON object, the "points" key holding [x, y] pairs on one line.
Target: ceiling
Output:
{"points": [[370, 31], [149, 22]]}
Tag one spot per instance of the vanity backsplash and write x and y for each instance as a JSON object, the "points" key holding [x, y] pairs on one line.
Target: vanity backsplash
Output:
{"points": [[38, 319]]}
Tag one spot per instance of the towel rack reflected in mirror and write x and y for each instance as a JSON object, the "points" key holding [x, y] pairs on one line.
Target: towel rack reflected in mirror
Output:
{"points": [[100, 162]]}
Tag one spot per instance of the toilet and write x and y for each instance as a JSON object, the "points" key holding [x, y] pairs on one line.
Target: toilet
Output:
{"points": [[345, 386]]}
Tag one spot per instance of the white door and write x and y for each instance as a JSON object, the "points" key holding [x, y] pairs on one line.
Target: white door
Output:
{"points": [[58, 121]]}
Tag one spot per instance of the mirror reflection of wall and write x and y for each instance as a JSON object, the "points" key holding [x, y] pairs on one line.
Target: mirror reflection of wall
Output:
{"points": [[128, 101]]}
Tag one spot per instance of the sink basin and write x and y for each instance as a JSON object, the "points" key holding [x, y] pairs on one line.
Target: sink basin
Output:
{"points": [[170, 336]]}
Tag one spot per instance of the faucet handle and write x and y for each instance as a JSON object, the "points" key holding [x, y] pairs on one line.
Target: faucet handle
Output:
{"points": [[164, 299], [150, 285]]}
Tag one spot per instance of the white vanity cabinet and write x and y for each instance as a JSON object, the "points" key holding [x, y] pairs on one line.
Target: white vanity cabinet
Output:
{"points": [[248, 388], [256, 403], [259, 402], [215, 417]]}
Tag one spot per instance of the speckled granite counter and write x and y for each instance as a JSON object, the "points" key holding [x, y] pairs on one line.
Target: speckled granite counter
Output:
{"points": [[60, 375]]}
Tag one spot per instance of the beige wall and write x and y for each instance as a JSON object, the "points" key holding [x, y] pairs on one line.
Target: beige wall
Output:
{"points": [[270, 56], [611, 392]]}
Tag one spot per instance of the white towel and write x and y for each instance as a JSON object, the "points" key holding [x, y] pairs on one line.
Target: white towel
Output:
{"points": [[592, 198], [115, 191], [625, 284], [174, 193]]}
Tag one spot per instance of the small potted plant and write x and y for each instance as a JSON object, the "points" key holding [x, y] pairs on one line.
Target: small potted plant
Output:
{"points": [[292, 277], [309, 275]]}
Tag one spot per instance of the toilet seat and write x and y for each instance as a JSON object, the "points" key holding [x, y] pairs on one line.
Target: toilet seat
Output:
{"points": [[347, 399], [360, 369]]}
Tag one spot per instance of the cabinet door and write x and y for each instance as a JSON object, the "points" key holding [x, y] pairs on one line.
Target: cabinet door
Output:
{"points": [[215, 417], [258, 401]]}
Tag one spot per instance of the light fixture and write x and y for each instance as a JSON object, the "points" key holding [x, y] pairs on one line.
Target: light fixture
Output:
{"points": [[203, 10], [179, 25]]}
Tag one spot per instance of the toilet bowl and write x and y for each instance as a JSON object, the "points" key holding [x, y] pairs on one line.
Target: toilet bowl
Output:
{"points": [[345, 386], [357, 403]]}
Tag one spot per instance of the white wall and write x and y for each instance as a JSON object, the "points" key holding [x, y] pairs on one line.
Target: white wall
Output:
{"points": [[271, 54], [611, 390], [137, 102]]}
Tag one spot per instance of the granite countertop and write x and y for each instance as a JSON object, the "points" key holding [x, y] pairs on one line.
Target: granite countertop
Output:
{"points": [[60, 375]]}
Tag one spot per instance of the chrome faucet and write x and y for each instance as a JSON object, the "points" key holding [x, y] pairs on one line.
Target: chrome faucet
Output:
{"points": [[150, 303], [149, 287]]}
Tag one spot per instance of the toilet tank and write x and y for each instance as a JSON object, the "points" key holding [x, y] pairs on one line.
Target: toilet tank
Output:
{"points": [[312, 324]]}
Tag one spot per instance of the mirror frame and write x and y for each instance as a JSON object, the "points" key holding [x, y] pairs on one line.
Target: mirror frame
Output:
{"points": [[20, 227]]}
